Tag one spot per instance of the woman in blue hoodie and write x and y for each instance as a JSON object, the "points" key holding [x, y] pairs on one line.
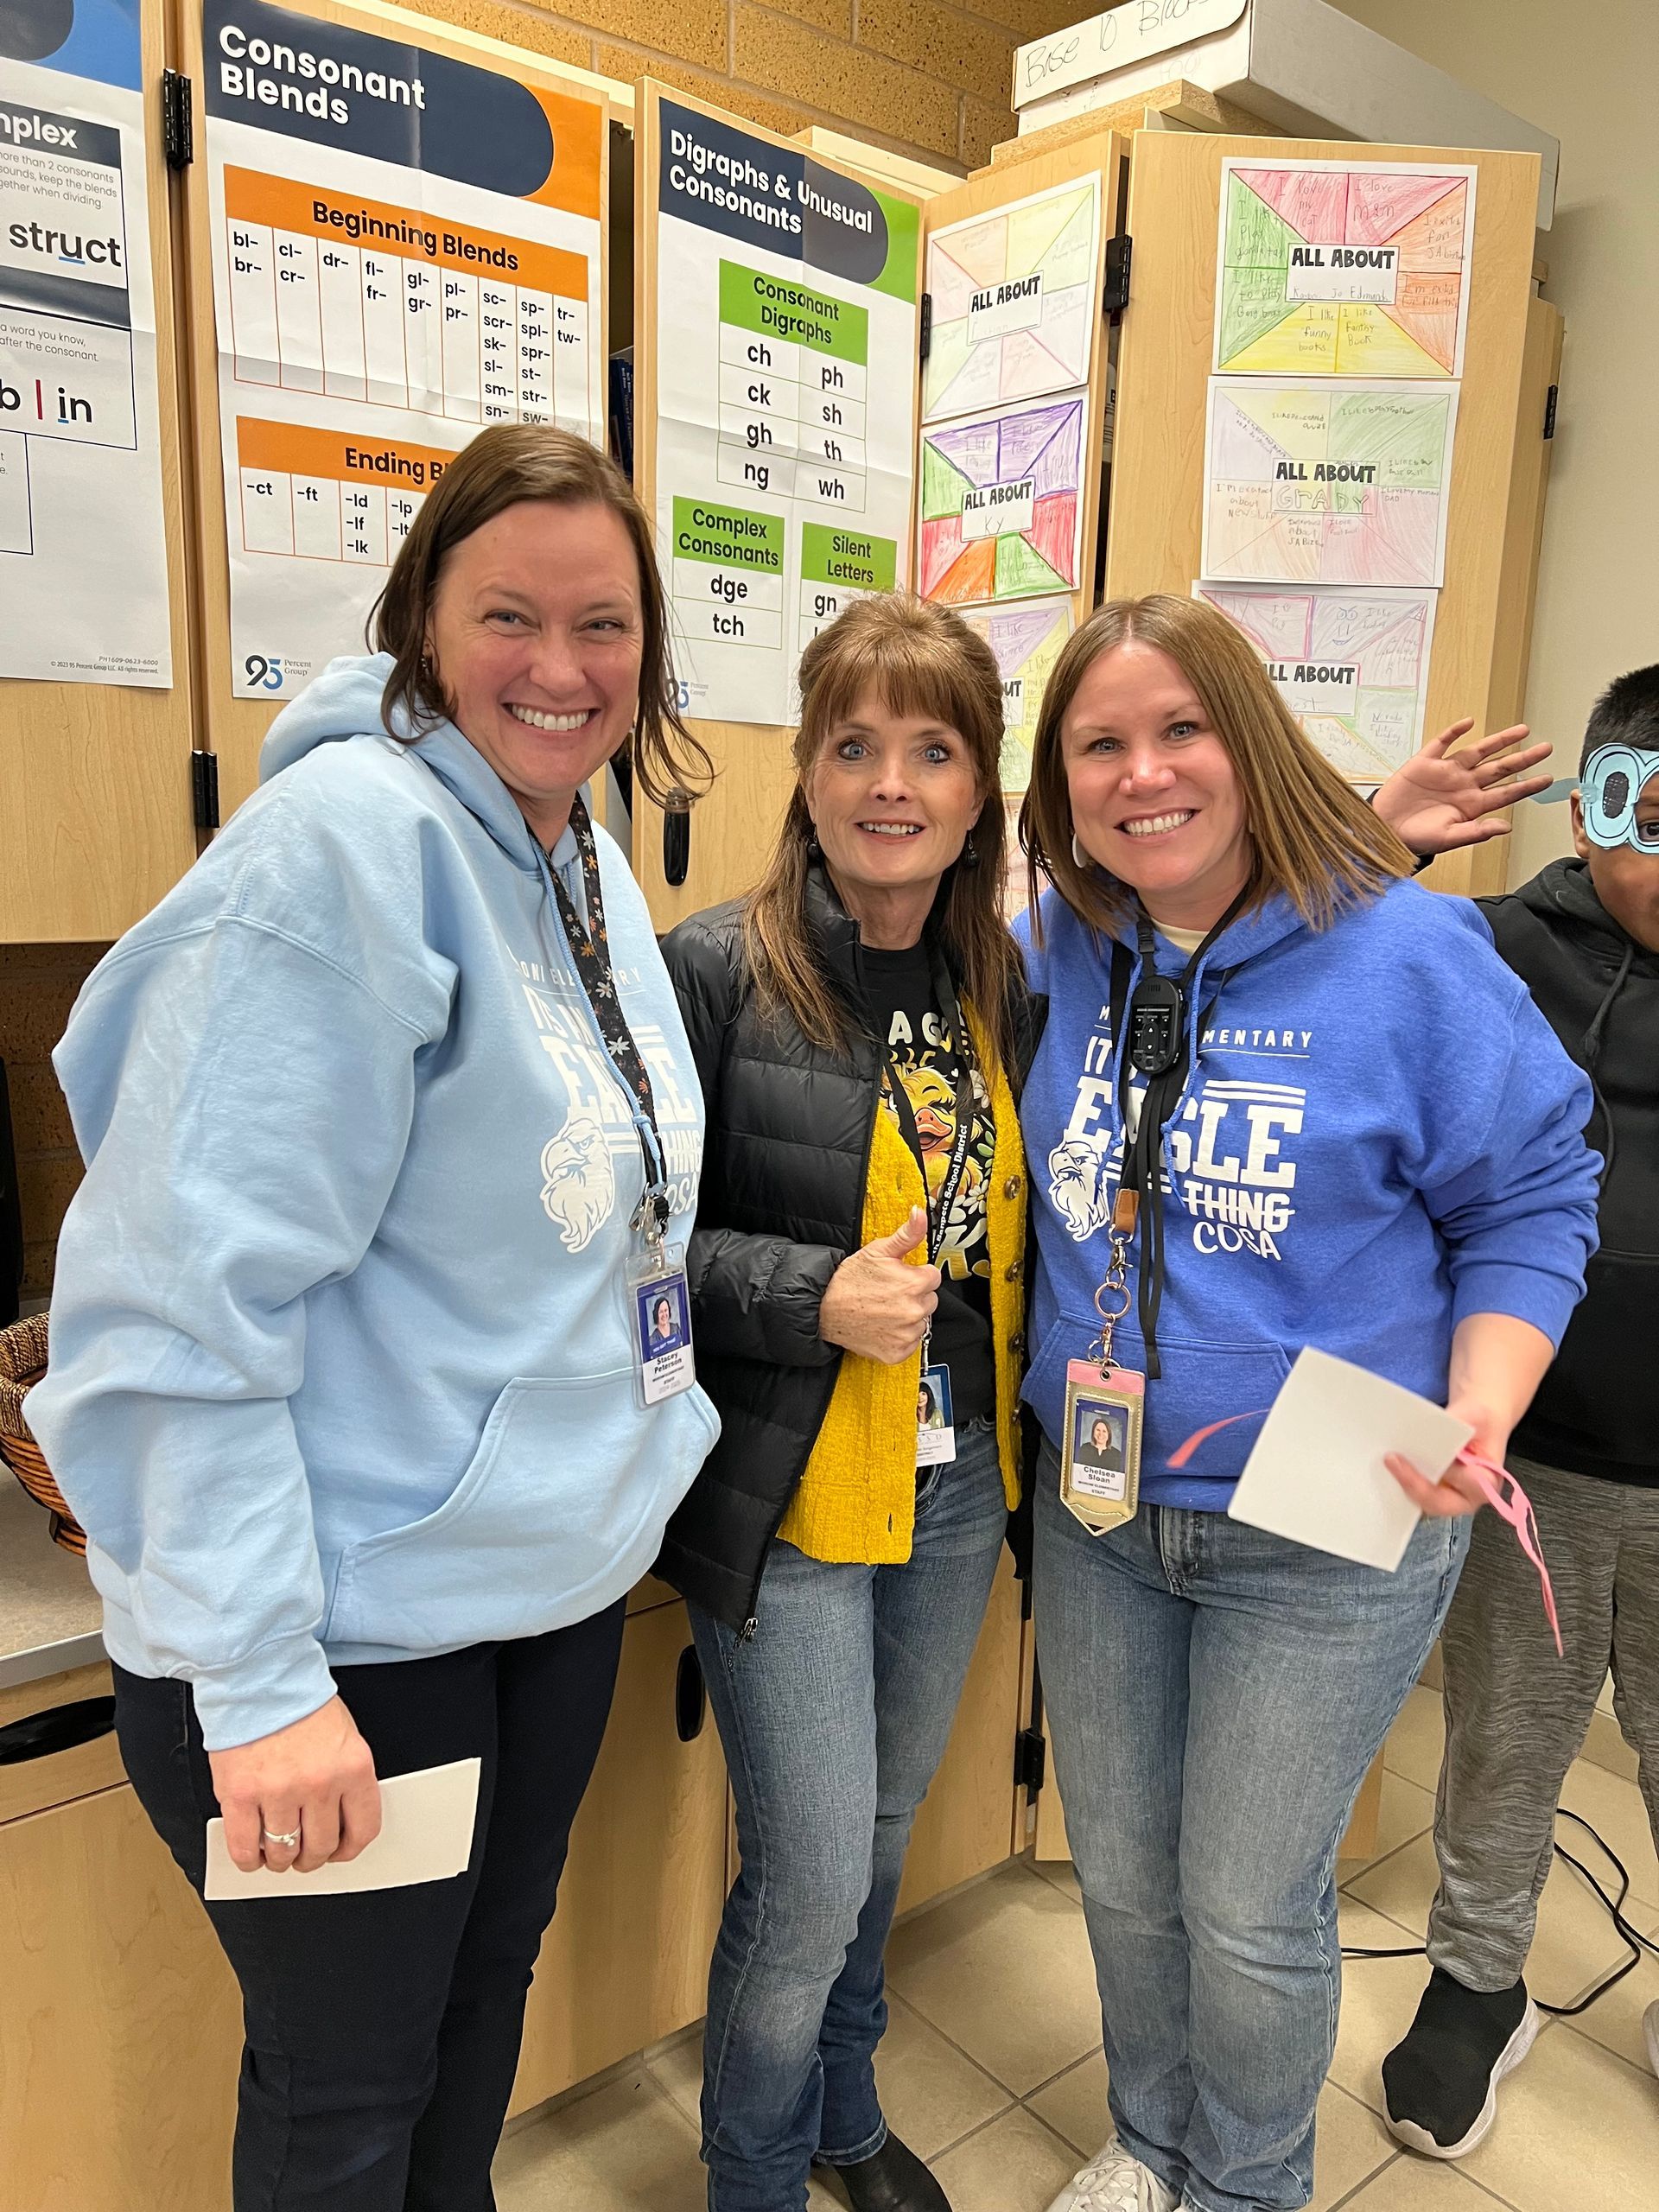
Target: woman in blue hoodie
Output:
{"points": [[1348, 1127], [387, 1110]]}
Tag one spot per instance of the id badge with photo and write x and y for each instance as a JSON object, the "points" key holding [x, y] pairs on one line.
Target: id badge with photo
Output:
{"points": [[935, 1420], [1100, 1461], [659, 1311]]}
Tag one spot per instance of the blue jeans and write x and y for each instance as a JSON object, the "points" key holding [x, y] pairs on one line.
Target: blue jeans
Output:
{"points": [[834, 1718], [1214, 1695]]}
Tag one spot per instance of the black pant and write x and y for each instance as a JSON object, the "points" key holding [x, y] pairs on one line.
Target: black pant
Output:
{"points": [[383, 2029]]}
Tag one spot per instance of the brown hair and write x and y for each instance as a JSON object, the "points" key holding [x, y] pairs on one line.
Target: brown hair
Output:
{"points": [[504, 465], [918, 659], [1315, 839]]}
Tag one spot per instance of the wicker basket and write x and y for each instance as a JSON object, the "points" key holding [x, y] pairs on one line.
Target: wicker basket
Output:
{"points": [[22, 1362]]}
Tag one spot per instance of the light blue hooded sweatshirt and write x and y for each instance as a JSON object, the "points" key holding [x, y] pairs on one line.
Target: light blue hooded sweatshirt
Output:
{"points": [[341, 1366]]}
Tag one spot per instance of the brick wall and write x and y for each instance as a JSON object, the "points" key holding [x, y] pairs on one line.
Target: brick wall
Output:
{"points": [[927, 78]]}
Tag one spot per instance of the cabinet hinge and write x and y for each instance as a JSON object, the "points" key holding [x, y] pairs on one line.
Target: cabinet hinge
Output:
{"points": [[1030, 1759], [925, 342], [1549, 411], [1120, 251], [178, 133], [204, 789]]}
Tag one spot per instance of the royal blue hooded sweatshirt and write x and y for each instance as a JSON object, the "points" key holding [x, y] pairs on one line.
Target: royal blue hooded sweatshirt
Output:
{"points": [[1379, 1134], [341, 1358]]}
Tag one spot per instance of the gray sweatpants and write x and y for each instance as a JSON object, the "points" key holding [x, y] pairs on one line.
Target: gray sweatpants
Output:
{"points": [[1516, 1715]]}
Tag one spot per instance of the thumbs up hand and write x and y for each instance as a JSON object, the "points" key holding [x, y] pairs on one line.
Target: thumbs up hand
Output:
{"points": [[879, 1302]]}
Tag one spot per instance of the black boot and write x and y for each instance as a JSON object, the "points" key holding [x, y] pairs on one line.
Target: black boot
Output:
{"points": [[894, 2180]]}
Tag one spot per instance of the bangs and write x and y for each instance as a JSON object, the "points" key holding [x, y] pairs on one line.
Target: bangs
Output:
{"points": [[909, 676]]}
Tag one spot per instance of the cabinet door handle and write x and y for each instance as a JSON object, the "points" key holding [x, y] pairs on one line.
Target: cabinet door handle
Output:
{"points": [[690, 1697], [676, 838], [60, 1728]]}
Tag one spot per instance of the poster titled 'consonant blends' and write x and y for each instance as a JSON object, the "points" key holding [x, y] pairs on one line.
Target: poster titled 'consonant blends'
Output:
{"points": [[405, 250]]}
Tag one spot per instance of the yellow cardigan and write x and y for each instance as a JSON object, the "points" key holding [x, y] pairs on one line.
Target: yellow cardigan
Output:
{"points": [[856, 1501]]}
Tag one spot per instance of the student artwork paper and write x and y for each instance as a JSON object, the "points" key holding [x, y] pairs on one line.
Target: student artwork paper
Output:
{"points": [[1327, 482], [785, 383], [1346, 269], [1027, 640], [1316, 1473], [426, 1835], [1002, 504], [1352, 666], [1016, 300], [406, 249], [83, 541]]}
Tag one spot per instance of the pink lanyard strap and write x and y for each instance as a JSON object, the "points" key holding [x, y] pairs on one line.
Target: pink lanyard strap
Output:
{"points": [[1510, 1502]]}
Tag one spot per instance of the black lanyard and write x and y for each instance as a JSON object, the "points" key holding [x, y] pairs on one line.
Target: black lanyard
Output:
{"points": [[939, 1210], [1143, 1155], [592, 954]]}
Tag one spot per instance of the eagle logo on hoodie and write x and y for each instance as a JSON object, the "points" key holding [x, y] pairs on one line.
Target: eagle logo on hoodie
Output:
{"points": [[578, 1180]]}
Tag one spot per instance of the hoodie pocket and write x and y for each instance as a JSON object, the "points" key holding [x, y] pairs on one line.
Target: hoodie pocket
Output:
{"points": [[1209, 1398], [561, 1507]]}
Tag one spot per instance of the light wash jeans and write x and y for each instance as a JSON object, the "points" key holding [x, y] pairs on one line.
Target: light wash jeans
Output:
{"points": [[1214, 1695], [834, 1718]]}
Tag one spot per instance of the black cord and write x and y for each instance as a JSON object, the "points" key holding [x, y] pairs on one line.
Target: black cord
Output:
{"points": [[1635, 1941]]}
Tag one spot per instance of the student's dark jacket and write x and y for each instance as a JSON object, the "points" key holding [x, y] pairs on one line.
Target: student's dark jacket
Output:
{"points": [[780, 1206], [1597, 1411]]}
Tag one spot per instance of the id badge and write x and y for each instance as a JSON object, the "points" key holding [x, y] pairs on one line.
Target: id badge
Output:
{"points": [[659, 1305], [1100, 1466], [935, 1420]]}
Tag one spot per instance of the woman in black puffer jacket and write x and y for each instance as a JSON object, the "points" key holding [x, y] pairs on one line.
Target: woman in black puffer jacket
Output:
{"points": [[860, 1027]]}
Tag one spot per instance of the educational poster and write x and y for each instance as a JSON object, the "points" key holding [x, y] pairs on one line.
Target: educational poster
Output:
{"points": [[1002, 504], [1327, 482], [1027, 640], [1349, 269], [1016, 298], [404, 249], [83, 545], [1351, 666], [785, 415]]}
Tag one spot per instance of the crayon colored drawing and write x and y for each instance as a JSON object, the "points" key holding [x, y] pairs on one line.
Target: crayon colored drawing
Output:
{"points": [[1027, 640], [1016, 302], [1329, 268], [1002, 505], [1327, 482], [1352, 666]]}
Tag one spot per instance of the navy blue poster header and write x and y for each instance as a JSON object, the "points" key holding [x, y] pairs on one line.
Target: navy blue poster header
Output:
{"points": [[319, 81], [758, 194]]}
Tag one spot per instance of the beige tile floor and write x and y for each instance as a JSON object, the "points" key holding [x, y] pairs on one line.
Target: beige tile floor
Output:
{"points": [[992, 2068]]}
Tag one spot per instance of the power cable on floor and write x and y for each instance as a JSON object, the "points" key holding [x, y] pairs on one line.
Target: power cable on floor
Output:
{"points": [[1635, 1941]]}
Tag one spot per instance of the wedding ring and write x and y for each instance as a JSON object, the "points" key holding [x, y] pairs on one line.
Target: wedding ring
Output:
{"points": [[291, 1840]]}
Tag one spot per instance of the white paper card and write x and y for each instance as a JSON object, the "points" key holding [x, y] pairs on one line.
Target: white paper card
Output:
{"points": [[426, 1835], [1317, 1474]]}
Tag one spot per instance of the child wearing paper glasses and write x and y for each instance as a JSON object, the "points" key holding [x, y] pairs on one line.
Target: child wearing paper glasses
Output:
{"points": [[1585, 935]]}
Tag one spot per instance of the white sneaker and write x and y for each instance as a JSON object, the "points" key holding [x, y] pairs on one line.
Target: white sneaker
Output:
{"points": [[1650, 2030], [1113, 2181]]}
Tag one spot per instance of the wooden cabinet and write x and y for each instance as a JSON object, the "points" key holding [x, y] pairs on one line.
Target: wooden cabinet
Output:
{"points": [[626, 1959]]}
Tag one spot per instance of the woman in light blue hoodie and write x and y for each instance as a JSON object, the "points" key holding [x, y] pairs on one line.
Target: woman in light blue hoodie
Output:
{"points": [[1346, 1126], [380, 1107]]}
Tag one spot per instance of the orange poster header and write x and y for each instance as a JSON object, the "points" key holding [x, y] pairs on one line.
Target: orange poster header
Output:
{"points": [[292, 449], [308, 211], [578, 128]]}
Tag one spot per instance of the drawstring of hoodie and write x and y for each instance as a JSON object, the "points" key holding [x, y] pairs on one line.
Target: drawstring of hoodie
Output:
{"points": [[1590, 1048]]}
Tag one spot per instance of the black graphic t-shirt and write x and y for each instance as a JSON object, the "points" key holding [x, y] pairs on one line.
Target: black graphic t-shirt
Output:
{"points": [[901, 989]]}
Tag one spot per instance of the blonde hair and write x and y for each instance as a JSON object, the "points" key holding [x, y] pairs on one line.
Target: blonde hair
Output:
{"points": [[917, 659], [1315, 840]]}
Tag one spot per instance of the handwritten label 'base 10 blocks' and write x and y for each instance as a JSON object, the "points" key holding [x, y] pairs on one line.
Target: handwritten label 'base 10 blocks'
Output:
{"points": [[729, 574]]}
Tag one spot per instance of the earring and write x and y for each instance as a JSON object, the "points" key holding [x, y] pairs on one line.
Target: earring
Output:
{"points": [[1080, 859], [971, 852], [814, 850]]}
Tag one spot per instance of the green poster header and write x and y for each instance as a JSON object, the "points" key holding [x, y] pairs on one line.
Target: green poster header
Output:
{"points": [[728, 535], [847, 557], [776, 307]]}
